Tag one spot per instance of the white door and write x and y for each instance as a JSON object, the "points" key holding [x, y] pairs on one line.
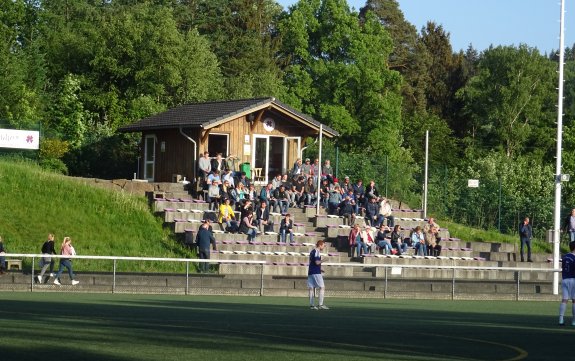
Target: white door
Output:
{"points": [[149, 157]]}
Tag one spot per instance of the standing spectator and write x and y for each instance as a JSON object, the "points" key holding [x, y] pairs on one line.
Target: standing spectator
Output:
{"points": [[218, 163], [205, 166], [2, 258], [568, 284], [297, 169], [267, 196], [47, 261], [525, 235], [359, 192], [569, 225], [327, 171], [247, 227], [324, 193], [315, 170], [66, 250], [385, 213], [286, 227], [418, 241], [315, 278], [263, 220], [205, 239], [371, 190], [307, 169]]}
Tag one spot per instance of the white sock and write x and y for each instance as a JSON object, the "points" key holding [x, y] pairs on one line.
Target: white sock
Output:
{"points": [[321, 293], [311, 296], [562, 308], [572, 310]]}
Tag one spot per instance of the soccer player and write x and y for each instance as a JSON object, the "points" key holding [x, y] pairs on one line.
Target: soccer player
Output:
{"points": [[568, 284], [315, 278]]}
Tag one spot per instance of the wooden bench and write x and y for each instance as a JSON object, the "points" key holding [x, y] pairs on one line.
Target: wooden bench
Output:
{"points": [[14, 264]]}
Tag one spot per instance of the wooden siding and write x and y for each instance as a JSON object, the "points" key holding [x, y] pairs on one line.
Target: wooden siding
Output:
{"points": [[178, 156]]}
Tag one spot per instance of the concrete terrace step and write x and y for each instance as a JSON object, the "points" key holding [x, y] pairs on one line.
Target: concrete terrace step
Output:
{"points": [[227, 245]]}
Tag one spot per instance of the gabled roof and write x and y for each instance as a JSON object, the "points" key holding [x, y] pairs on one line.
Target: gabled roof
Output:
{"points": [[210, 114]]}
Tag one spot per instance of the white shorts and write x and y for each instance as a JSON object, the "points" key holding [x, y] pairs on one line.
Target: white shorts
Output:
{"points": [[316, 281], [568, 286]]}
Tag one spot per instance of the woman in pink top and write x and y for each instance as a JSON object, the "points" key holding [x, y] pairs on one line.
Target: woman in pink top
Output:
{"points": [[66, 250]]}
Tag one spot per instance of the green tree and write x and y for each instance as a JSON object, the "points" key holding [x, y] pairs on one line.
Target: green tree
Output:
{"points": [[510, 100]]}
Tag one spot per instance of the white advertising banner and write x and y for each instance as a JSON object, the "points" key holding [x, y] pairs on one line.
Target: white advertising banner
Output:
{"points": [[21, 139]]}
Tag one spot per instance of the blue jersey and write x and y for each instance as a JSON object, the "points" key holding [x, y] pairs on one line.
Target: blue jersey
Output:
{"points": [[314, 269], [568, 266]]}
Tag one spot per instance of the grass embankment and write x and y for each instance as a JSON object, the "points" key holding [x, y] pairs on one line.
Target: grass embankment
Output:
{"points": [[480, 235], [100, 222]]}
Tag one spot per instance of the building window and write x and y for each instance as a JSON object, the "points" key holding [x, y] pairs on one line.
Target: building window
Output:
{"points": [[219, 143]]}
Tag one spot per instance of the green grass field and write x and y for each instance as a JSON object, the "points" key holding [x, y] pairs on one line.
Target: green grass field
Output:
{"points": [[61, 326]]}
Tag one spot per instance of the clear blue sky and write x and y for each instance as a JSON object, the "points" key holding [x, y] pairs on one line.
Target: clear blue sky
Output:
{"points": [[486, 22]]}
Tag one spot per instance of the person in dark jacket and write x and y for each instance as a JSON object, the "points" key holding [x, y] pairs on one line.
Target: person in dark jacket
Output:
{"points": [[286, 227], [525, 235], [204, 239], [2, 258], [47, 261], [371, 212]]}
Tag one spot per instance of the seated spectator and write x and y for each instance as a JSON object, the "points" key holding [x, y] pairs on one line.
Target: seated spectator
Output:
{"points": [[385, 213], [372, 212], [299, 191], [354, 240], [418, 240], [215, 177], [347, 210], [227, 192], [226, 217], [431, 241], [396, 240], [368, 239], [228, 176], [288, 185], [334, 200], [214, 195], [263, 221], [382, 240], [251, 194], [310, 192], [247, 227], [282, 200], [276, 182], [346, 186], [246, 209], [244, 180], [324, 193], [240, 195], [286, 227], [267, 195]]}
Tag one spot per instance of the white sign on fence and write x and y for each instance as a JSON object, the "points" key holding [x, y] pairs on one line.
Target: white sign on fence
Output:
{"points": [[21, 139], [473, 183]]}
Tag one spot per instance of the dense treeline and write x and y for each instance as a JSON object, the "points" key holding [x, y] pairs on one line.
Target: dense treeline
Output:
{"points": [[83, 68]]}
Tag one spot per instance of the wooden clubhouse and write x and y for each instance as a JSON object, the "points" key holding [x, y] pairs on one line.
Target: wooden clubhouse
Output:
{"points": [[263, 132]]}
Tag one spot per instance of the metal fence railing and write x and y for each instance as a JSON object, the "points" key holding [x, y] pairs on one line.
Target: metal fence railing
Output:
{"points": [[259, 278]]}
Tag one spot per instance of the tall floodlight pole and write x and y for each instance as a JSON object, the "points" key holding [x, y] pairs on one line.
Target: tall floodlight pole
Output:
{"points": [[558, 170], [319, 170], [425, 176]]}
